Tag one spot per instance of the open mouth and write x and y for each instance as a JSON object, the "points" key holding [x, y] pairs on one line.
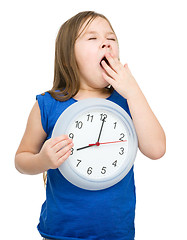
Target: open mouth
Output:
{"points": [[104, 59]]}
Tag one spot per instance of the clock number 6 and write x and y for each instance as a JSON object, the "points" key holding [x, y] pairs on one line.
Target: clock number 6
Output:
{"points": [[89, 171]]}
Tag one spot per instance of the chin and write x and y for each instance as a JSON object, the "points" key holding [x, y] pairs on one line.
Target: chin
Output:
{"points": [[106, 85], [103, 83], [102, 86]]}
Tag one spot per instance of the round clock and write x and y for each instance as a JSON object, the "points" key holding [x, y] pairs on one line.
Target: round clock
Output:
{"points": [[105, 143]]}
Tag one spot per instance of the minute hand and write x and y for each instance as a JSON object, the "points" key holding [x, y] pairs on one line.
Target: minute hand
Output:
{"points": [[98, 143]]}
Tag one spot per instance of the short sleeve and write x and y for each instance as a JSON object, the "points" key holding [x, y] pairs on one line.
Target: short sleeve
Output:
{"points": [[121, 101], [43, 111], [127, 108]]}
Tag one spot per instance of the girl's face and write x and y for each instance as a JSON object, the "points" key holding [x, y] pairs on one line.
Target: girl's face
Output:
{"points": [[90, 48]]}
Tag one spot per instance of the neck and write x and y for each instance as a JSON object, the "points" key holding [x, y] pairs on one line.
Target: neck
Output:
{"points": [[92, 93]]}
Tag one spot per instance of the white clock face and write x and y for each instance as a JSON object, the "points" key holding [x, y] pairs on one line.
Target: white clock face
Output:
{"points": [[100, 144], [105, 143]]}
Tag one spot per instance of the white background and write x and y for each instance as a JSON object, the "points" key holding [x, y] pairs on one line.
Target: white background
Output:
{"points": [[153, 41]]}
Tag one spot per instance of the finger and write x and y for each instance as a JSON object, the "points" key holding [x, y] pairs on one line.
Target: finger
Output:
{"points": [[114, 62], [64, 157], [107, 78], [108, 69], [58, 139], [61, 144], [64, 150]]}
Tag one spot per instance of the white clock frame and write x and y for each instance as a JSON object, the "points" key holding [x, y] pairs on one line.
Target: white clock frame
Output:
{"points": [[68, 117]]}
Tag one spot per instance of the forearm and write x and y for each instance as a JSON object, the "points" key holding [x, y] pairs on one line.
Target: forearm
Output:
{"points": [[151, 136], [29, 163], [52, 154]]}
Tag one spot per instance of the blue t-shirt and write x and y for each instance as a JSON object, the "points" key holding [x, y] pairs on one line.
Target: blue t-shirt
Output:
{"points": [[72, 213]]}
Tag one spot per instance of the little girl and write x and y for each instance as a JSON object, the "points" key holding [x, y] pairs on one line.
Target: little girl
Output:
{"points": [[87, 65]]}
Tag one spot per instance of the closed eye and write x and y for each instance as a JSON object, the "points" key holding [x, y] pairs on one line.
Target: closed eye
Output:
{"points": [[112, 39], [93, 38]]}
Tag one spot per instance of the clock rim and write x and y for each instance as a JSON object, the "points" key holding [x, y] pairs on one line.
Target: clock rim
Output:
{"points": [[80, 107]]}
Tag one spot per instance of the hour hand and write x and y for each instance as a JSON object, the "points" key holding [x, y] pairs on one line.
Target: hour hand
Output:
{"points": [[84, 147]]}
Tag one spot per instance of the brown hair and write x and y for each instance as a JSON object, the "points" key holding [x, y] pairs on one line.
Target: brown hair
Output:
{"points": [[66, 74]]}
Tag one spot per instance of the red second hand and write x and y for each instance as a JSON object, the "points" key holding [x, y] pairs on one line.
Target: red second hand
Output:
{"points": [[97, 143]]}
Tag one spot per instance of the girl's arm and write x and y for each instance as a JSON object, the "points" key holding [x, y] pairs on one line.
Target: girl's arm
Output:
{"points": [[151, 137], [33, 155]]}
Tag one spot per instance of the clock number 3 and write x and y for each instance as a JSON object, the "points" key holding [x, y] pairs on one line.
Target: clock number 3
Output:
{"points": [[122, 151]]}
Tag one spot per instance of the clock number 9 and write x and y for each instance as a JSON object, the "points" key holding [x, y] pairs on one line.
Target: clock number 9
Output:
{"points": [[71, 135]]}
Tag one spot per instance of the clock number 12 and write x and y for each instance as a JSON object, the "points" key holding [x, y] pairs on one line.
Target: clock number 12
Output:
{"points": [[103, 117]]}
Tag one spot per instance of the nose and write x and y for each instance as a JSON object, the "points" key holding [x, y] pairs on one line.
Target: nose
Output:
{"points": [[106, 44]]}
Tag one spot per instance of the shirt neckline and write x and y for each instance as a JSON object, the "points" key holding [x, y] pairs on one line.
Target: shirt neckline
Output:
{"points": [[75, 100]]}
